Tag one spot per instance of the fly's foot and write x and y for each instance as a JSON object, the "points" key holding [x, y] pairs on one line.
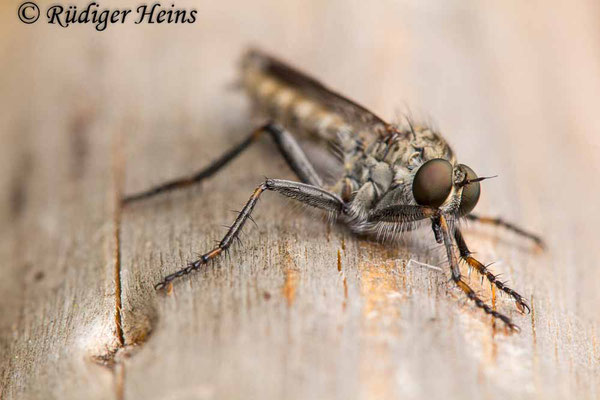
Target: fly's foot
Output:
{"points": [[520, 302], [184, 271], [191, 267], [485, 307]]}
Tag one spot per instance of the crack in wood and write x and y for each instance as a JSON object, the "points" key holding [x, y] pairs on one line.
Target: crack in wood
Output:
{"points": [[118, 178], [117, 272]]}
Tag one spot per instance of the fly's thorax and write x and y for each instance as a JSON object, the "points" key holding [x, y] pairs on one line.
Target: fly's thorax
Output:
{"points": [[406, 148], [370, 179], [391, 162], [383, 172], [424, 144]]}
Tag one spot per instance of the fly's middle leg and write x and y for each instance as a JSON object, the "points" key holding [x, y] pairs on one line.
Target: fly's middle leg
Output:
{"points": [[307, 194]]}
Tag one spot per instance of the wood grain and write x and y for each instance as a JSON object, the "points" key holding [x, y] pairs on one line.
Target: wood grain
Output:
{"points": [[303, 309]]}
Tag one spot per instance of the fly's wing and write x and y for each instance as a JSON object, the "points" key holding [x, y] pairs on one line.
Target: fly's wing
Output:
{"points": [[353, 113]]}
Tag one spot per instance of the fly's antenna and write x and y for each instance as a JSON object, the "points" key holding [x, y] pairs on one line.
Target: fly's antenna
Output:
{"points": [[482, 178]]}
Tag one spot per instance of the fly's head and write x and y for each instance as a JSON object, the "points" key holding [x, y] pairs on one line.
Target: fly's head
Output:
{"points": [[454, 189]]}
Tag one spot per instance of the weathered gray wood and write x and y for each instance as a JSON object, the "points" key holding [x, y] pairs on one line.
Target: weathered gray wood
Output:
{"points": [[58, 306], [303, 310]]}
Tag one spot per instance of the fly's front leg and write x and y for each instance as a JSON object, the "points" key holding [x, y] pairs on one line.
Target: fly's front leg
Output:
{"points": [[411, 213], [396, 218], [402, 213], [457, 277], [465, 254], [507, 225], [307, 194]]}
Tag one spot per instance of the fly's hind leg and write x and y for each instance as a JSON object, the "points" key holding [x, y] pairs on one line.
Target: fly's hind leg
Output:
{"points": [[199, 176], [285, 142], [507, 225], [466, 255], [307, 194]]}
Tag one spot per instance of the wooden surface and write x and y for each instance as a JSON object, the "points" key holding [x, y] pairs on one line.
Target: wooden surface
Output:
{"points": [[303, 310]]}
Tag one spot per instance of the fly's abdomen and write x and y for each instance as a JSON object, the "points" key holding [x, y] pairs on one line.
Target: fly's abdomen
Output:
{"points": [[289, 105]]}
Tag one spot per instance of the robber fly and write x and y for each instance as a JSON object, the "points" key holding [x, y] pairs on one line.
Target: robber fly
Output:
{"points": [[395, 177]]}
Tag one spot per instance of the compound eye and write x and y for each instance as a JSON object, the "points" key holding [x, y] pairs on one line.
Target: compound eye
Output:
{"points": [[433, 182], [470, 193]]}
